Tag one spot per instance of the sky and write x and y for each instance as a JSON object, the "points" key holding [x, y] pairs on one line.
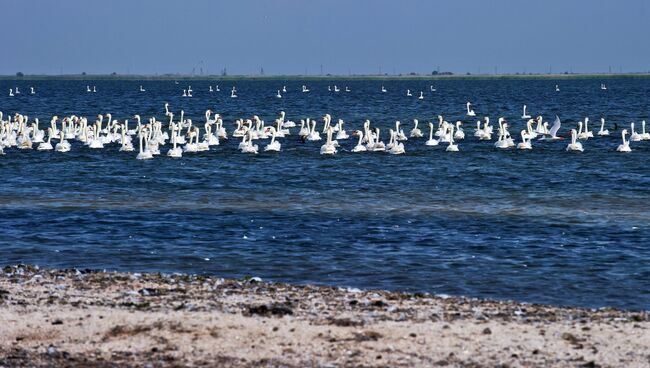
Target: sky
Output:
{"points": [[339, 36]]}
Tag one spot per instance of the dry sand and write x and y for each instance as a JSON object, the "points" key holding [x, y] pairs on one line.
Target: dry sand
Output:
{"points": [[71, 318]]}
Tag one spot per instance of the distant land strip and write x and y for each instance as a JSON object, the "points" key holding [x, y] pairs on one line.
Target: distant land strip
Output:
{"points": [[179, 77]]}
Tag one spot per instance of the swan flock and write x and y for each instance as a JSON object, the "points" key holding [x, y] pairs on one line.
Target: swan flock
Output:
{"points": [[176, 135]]}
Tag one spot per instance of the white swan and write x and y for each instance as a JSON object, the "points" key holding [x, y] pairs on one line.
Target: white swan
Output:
{"points": [[378, 145], [305, 89], [359, 147], [31, 91], [524, 115], [46, 146], [273, 145], [557, 88], [383, 89], [625, 147], [581, 134], [602, 130], [341, 134], [248, 146], [313, 134], [525, 141], [144, 153], [142, 89], [431, 141], [127, 146], [399, 132], [416, 132], [588, 132], [304, 130], [451, 147], [470, 112], [574, 145], [63, 145], [635, 137], [646, 136], [408, 93], [460, 133], [278, 95], [233, 93], [328, 148], [421, 96], [11, 92], [397, 148]]}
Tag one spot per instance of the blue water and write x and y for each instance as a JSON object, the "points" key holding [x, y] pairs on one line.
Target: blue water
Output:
{"points": [[541, 226]]}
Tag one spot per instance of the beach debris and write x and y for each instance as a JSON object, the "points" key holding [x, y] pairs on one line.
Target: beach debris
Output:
{"points": [[270, 310]]}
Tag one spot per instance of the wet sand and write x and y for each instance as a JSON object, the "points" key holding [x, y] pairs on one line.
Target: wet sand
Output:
{"points": [[74, 318]]}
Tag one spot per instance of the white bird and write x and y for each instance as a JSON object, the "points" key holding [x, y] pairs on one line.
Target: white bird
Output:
{"points": [[383, 89], [32, 92], [431, 141], [602, 130], [233, 93], [646, 136], [313, 134], [273, 145], [470, 112], [304, 89], [11, 92], [421, 96], [524, 115], [460, 134], [142, 89], [574, 145], [451, 147], [278, 95], [416, 132], [635, 137], [625, 147], [557, 88], [359, 147], [525, 141], [408, 93], [46, 146], [248, 146], [328, 148], [397, 148]]}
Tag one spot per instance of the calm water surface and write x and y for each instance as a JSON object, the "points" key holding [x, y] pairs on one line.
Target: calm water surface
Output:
{"points": [[541, 226]]}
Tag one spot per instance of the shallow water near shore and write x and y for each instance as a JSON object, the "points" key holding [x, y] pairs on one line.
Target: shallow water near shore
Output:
{"points": [[542, 226]]}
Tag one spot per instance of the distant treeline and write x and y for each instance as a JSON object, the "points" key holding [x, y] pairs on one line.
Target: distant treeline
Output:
{"points": [[442, 75]]}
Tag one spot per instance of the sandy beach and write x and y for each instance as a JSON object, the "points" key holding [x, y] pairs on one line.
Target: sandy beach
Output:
{"points": [[76, 318]]}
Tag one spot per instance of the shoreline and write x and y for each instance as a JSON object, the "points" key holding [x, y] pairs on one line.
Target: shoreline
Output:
{"points": [[421, 77], [89, 318]]}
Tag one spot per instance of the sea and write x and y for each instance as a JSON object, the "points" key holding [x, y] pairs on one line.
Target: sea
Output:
{"points": [[540, 226]]}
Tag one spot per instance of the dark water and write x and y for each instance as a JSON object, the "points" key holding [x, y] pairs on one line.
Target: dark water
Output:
{"points": [[542, 226]]}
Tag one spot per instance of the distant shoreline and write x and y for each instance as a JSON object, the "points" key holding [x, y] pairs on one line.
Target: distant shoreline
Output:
{"points": [[166, 77]]}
